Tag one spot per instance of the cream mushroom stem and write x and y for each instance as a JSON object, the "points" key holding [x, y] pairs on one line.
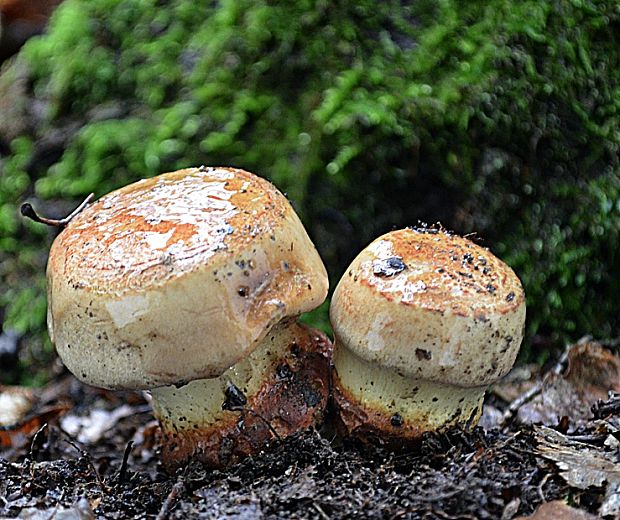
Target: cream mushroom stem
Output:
{"points": [[279, 388], [407, 405]]}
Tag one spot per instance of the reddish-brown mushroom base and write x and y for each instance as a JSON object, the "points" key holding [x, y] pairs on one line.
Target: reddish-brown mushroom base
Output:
{"points": [[292, 398], [394, 430]]}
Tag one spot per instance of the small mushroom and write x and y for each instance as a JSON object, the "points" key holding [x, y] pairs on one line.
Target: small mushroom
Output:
{"points": [[424, 320], [188, 285]]}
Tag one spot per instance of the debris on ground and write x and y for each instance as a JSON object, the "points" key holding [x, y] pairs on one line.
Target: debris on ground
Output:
{"points": [[81, 452]]}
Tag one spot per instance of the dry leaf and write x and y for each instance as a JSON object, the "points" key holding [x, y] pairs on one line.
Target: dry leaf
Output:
{"points": [[592, 372], [90, 428], [583, 466], [79, 511], [19, 434], [557, 510]]}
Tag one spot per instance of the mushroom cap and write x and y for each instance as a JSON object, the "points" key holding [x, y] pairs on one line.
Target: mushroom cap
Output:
{"points": [[177, 277], [430, 305]]}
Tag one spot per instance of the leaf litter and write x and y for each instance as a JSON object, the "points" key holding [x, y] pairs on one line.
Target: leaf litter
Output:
{"points": [[97, 457]]}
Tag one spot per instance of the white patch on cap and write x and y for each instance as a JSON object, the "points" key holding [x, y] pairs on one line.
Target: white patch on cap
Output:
{"points": [[157, 240], [374, 338]]}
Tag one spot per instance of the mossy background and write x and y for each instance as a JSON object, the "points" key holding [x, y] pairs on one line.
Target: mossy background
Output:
{"points": [[497, 118]]}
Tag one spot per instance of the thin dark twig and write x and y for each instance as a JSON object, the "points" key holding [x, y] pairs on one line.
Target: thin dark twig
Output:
{"points": [[320, 511], [527, 396], [35, 440], [86, 455], [176, 490], [28, 211], [271, 428], [122, 473]]}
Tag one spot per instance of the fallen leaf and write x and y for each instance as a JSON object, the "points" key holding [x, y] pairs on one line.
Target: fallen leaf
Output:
{"points": [[90, 428], [583, 466], [19, 434], [79, 511], [15, 403], [592, 372], [555, 510]]}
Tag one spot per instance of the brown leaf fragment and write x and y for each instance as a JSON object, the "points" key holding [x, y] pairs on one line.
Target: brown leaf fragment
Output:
{"points": [[593, 371], [555, 510], [583, 466], [19, 434]]}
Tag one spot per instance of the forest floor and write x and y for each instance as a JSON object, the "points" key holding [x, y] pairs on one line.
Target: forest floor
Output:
{"points": [[548, 446]]}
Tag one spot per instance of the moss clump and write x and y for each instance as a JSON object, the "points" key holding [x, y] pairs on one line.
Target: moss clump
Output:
{"points": [[496, 117]]}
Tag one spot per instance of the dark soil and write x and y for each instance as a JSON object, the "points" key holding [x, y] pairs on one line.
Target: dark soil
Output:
{"points": [[312, 475]]}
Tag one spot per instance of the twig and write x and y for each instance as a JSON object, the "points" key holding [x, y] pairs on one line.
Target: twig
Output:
{"points": [[271, 428], [86, 455], [527, 396], [28, 211], [122, 472], [441, 496], [320, 511], [541, 493], [176, 490], [35, 440]]}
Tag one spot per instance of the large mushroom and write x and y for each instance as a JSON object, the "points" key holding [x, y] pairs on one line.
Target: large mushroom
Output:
{"points": [[189, 284], [424, 321]]}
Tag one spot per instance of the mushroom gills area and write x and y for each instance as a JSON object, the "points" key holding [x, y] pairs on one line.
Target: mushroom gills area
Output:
{"points": [[280, 388], [376, 400]]}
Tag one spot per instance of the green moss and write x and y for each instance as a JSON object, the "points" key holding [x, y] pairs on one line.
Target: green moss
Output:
{"points": [[496, 117]]}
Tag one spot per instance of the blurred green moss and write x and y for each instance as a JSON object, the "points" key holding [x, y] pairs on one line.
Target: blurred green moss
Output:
{"points": [[497, 117]]}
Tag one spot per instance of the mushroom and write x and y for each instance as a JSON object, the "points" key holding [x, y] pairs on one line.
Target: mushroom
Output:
{"points": [[424, 320], [188, 284]]}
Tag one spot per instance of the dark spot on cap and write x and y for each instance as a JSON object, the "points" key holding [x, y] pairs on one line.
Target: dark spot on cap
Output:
{"points": [[388, 266], [510, 296], [491, 288], [243, 291], [396, 420], [226, 230], [421, 354]]}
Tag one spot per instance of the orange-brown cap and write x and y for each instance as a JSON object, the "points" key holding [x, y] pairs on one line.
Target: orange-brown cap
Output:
{"points": [[178, 277]]}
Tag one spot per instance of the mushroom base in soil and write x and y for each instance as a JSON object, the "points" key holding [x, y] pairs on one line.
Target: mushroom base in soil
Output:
{"points": [[379, 403], [280, 388]]}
